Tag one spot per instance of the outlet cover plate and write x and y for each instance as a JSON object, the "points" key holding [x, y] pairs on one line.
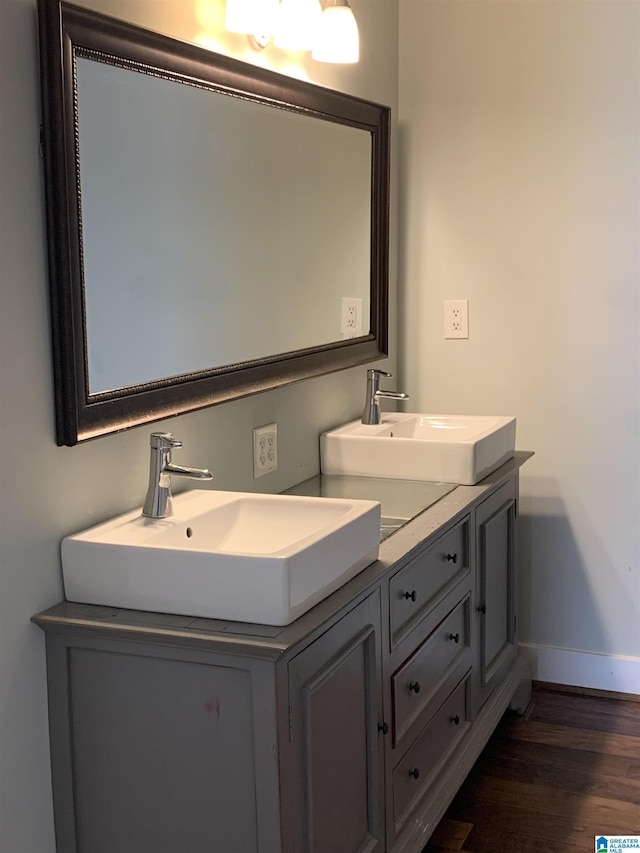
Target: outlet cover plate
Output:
{"points": [[351, 317], [456, 318], [265, 450]]}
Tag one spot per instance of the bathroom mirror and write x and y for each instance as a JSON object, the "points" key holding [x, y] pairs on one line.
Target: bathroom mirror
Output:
{"points": [[215, 229]]}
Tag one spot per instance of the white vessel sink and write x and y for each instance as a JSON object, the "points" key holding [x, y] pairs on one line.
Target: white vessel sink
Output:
{"points": [[225, 555], [448, 448]]}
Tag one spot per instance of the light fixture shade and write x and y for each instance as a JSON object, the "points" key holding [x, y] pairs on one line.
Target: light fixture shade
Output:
{"points": [[250, 17], [337, 38], [297, 24]]}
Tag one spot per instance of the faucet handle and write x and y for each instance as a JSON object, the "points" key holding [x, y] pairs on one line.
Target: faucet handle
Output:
{"points": [[375, 372], [164, 441]]}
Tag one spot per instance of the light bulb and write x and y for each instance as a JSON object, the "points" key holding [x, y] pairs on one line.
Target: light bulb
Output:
{"points": [[337, 38], [297, 23], [251, 17]]}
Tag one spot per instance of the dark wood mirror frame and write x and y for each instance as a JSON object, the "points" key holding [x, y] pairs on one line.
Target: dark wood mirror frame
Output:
{"points": [[68, 31]]}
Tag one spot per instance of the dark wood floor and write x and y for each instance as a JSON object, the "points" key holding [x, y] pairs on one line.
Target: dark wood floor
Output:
{"points": [[552, 780]]}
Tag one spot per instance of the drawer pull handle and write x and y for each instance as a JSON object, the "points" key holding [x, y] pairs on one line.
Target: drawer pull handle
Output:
{"points": [[482, 609], [415, 772], [452, 558], [384, 728], [454, 637], [415, 686], [411, 595], [455, 719]]}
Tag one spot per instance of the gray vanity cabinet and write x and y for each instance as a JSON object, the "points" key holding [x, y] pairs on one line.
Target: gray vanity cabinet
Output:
{"points": [[348, 731], [335, 720], [496, 594]]}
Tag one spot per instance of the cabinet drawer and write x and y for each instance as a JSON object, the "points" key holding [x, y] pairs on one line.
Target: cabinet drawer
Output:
{"points": [[422, 762], [436, 661], [418, 585]]}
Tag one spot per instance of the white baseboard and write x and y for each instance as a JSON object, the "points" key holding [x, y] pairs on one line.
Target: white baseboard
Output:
{"points": [[583, 669]]}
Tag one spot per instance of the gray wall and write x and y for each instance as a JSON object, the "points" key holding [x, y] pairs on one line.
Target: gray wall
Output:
{"points": [[47, 491], [520, 190]]}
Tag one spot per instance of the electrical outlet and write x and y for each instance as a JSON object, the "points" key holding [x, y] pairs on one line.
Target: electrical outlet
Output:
{"points": [[265, 450], [351, 317], [456, 318]]}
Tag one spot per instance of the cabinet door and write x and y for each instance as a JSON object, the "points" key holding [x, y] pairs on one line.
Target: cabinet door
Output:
{"points": [[160, 750], [496, 532], [335, 707]]}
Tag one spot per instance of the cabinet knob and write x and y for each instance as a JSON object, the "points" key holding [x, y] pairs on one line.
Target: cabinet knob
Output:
{"points": [[415, 772], [411, 595], [452, 558], [455, 719], [384, 728], [482, 609], [454, 637], [415, 686]]}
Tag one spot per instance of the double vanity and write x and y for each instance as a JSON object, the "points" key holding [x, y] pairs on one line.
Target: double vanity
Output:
{"points": [[348, 726], [254, 673]]}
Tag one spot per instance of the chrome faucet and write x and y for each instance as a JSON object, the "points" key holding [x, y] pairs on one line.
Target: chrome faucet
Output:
{"points": [[157, 503], [371, 414]]}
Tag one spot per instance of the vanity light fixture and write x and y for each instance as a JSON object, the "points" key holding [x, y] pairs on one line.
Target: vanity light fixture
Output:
{"points": [[252, 18], [329, 32], [297, 24], [337, 39]]}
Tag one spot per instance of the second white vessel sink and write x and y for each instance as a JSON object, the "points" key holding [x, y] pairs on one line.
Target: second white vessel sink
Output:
{"points": [[225, 555], [447, 448]]}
